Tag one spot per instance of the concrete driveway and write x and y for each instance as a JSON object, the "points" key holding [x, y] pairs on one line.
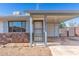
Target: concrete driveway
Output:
{"points": [[64, 48]]}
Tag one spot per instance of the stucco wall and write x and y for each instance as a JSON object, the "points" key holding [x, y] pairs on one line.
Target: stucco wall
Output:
{"points": [[53, 30], [5, 26], [56, 29], [1, 27], [27, 27]]}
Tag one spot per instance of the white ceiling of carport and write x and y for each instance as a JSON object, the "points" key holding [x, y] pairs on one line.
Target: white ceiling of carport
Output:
{"points": [[54, 18]]}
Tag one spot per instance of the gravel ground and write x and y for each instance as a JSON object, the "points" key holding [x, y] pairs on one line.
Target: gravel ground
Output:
{"points": [[18, 49]]}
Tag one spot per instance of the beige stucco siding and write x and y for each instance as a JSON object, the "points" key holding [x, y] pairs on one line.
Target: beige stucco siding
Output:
{"points": [[56, 29], [1, 27], [5, 26], [27, 27], [53, 30]]}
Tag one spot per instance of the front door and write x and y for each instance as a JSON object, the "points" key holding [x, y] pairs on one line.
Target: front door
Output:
{"points": [[38, 31]]}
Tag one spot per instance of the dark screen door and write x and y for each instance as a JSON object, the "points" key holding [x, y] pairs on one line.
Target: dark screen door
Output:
{"points": [[38, 31]]}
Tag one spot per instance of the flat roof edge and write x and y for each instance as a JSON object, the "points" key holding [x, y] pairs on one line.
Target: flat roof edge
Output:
{"points": [[53, 11], [14, 16]]}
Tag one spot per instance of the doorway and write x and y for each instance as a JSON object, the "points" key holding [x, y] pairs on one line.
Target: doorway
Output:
{"points": [[38, 31]]}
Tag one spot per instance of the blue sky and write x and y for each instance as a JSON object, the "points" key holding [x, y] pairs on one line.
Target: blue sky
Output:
{"points": [[8, 8]]}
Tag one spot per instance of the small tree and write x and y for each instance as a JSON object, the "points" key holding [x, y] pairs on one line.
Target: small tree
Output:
{"points": [[62, 25]]}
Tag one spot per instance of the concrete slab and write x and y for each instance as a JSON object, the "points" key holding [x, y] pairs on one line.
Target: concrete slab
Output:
{"points": [[66, 48]]}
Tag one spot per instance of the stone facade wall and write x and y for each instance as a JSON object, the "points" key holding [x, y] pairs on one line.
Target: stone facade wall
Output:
{"points": [[14, 37], [63, 32], [72, 31], [77, 31]]}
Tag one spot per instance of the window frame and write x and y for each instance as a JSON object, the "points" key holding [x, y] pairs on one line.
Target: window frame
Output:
{"points": [[21, 26]]}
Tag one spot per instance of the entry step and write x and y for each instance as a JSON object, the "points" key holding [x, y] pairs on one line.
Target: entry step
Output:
{"points": [[39, 44]]}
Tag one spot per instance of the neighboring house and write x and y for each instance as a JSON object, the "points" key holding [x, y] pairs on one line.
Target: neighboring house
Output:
{"points": [[39, 24]]}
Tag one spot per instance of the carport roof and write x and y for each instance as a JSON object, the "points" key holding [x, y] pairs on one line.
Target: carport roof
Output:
{"points": [[55, 16], [54, 11]]}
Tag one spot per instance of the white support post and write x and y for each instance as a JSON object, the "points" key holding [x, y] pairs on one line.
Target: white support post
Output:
{"points": [[30, 31], [45, 38], [45, 29]]}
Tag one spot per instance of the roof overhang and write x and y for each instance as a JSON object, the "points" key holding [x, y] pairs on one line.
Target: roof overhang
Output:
{"points": [[13, 18], [53, 11], [54, 15]]}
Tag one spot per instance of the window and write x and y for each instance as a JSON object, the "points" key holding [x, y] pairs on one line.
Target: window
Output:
{"points": [[17, 26]]}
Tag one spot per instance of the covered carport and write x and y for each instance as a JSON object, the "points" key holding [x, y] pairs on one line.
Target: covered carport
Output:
{"points": [[51, 20]]}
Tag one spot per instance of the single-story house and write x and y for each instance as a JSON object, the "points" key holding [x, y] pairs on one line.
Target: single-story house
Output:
{"points": [[37, 25]]}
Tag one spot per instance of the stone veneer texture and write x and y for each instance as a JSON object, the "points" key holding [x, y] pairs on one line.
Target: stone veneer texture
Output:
{"points": [[14, 37]]}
